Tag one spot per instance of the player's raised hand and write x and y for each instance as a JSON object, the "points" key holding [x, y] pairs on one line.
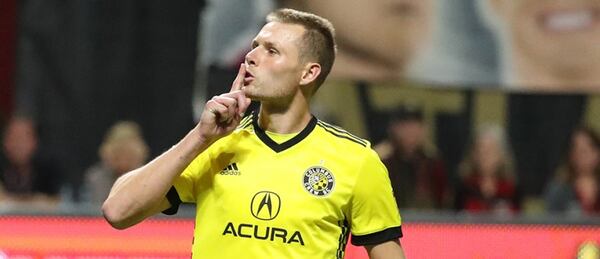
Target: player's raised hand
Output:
{"points": [[223, 113], [236, 90]]}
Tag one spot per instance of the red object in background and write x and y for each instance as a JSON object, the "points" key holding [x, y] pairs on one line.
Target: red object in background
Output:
{"points": [[8, 26], [92, 237]]}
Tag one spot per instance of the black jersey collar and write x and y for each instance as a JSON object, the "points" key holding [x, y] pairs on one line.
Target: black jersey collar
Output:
{"points": [[262, 135]]}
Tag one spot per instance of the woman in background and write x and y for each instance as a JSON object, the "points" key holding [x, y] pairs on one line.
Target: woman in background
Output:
{"points": [[575, 188], [29, 178], [487, 178]]}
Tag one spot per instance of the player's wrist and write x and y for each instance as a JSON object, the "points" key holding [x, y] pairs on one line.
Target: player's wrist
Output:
{"points": [[202, 140]]}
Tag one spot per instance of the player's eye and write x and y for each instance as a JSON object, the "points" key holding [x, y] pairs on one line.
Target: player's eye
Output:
{"points": [[272, 51]]}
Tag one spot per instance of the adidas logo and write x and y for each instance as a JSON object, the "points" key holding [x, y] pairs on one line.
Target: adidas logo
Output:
{"points": [[231, 169]]}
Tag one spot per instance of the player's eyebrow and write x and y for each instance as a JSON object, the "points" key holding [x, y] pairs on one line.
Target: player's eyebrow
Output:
{"points": [[267, 44]]}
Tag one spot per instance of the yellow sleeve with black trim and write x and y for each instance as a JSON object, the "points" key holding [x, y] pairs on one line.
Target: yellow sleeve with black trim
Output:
{"points": [[374, 217], [189, 183]]}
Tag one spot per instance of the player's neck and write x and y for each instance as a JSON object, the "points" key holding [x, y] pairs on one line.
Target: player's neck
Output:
{"points": [[290, 119]]}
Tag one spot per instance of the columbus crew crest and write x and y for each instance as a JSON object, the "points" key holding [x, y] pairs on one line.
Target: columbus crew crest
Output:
{"points": [[318, 181]]}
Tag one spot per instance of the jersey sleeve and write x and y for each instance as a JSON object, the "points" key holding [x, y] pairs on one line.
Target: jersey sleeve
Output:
{"points": [[187, 185], [374, 214]]}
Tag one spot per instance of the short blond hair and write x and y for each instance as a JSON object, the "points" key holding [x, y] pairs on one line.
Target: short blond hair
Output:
{"points": [[318, 42]]}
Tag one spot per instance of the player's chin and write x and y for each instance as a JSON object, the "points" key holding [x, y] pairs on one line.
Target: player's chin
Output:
{"points": [[250, 92], [257, 98], [247, 89]]}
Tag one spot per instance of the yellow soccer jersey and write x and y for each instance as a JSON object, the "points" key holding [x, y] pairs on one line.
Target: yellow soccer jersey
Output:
{"points": [[298, 199]]}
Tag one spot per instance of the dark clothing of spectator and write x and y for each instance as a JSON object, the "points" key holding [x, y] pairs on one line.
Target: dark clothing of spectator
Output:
{"points": [[561, 196], [42, 178], [420, 182]]}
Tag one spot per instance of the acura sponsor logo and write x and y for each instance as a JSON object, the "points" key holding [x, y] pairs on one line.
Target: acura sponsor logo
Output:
{"points": [[265, 205]]}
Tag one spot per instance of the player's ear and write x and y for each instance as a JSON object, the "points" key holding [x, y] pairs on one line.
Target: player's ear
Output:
{"points": [[310, 73]]}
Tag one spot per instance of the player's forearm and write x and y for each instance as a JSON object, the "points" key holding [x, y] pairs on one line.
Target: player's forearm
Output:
{"points": [[386, 250], [139, 193]]}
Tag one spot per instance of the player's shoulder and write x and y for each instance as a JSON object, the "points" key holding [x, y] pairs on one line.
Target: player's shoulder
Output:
{"points": [[342, 137]]}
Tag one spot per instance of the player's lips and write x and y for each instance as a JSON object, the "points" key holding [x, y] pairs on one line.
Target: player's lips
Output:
{"points": [[571, 20], [248, 78]]}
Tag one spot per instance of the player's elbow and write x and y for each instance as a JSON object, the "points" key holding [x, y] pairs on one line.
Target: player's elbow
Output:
{"points": [[114, 215]]}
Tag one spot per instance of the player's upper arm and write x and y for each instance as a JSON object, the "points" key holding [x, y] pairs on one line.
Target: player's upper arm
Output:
{"points": [[193, 179], [387, 250], [374, 215], [184, 189]]}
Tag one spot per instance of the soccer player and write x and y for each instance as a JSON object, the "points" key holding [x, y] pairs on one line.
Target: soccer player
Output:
{"points": [[278, 183]]}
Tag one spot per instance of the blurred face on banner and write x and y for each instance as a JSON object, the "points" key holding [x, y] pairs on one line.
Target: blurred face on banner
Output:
{"points": [[376, 38], [552, 44]]}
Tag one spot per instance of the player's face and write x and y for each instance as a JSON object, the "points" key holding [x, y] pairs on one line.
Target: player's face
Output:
{"points": [[273, 67], [559, 34], [387, 30]]}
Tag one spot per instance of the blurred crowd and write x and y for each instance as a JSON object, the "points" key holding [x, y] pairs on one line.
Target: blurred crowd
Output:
{"points": [[33, 180], [79, 65], [486, 180]]}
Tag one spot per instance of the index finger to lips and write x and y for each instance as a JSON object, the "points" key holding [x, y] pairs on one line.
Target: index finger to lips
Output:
{"points": [[239, 79]]}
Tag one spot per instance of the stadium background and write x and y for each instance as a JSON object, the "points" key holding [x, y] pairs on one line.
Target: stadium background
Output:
{"points": [[76, 67]]}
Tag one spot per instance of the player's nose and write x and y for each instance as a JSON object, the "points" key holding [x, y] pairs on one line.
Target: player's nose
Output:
{"points": [[251, 59]]}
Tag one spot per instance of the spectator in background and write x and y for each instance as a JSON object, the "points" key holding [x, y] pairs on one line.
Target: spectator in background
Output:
{"points": [[27, 176], [487, 178], [576, 186], [122, 150], [419, 178], [547, 45]]}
